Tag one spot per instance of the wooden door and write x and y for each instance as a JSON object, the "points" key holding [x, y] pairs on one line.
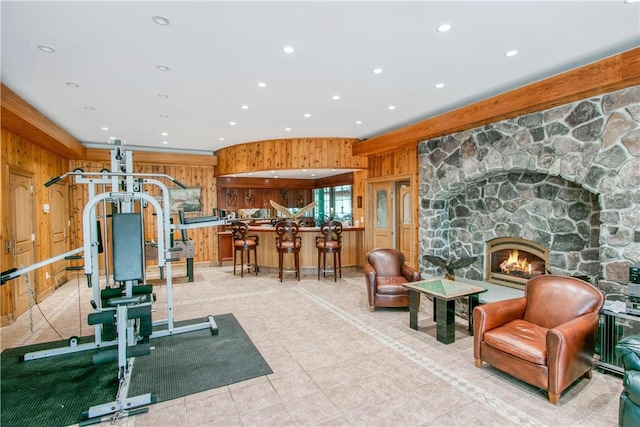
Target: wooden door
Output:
{"points": [[59, 226], [405, 223], [22, 236], [383, 215]]}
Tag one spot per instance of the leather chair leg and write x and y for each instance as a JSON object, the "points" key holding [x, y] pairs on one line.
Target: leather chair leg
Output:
{"points": [[478, 363], [372, 308], [553, 398]]}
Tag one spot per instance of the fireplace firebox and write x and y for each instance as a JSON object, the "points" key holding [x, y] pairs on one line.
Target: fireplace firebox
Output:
{"points": [[512, 261]]}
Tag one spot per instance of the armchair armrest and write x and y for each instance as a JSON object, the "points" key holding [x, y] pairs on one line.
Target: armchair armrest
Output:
{"points": [[490, 316], [370, 277], [410, 273], [628, 349], [570, 349]]}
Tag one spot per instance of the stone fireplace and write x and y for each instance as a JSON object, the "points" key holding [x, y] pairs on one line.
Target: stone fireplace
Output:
{"points": [[566, 179]]}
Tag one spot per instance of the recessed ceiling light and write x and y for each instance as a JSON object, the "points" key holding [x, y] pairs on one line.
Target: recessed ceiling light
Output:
{"points": [[377, 71], [165, 142], [262, 84], [244, 107], [335, 97], [439, 85], [232, 123], [104, 128], [162, 68], [511, 53], [163, 96], [304, 170], [444, 27], [391, 107], [287, 129], [287, 49], [221, 138], [89, 108], [45, 48], [160, 20], [307, 115], [164, 134], [631, 1], [71, 84], [359, 122], [333, 170]]}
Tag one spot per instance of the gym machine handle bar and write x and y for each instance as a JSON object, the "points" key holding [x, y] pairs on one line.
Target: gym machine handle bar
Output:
{"points": [[105, 174]]}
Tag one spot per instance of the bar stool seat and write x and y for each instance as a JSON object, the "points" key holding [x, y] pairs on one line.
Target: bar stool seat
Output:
{"points": [[288, 243], [330, 242], [242, 243]]}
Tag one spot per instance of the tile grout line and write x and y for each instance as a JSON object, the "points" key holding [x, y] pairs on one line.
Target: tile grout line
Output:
{"points": [[476, 393]]}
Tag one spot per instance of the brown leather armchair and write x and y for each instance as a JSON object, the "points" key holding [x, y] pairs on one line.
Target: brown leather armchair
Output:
{"points": [[385, 272], [546, 338]]}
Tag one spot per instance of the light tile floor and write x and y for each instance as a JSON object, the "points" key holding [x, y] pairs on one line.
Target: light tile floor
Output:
{"points": [[334, 362]]}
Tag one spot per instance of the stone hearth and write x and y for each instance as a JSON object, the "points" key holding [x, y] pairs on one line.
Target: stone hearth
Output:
{"points": [[567, 178]]}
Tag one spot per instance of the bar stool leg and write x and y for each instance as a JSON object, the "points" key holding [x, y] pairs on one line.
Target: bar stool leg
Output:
{"points": [[297, 261], [280, 265], [319, 255], [335, 278], [255, 260], [234, 261], [241, 263], [324, 264]]}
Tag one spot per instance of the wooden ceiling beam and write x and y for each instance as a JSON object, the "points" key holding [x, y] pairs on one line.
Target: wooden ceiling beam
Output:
{"points": [[610, 74], [19, 117], [160, 158]]}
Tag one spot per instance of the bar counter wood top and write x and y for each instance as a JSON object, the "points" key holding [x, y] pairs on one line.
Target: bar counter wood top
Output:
{"points": [[352, 247]]}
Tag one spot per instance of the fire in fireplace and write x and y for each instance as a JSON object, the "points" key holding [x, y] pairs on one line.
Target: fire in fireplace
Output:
{"points": [[512, 261]]}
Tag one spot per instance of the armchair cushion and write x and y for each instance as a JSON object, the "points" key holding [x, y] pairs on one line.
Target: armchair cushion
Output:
{"points": [[522, 339]]}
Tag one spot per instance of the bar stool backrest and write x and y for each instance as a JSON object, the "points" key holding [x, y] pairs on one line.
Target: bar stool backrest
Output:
{"points": [[331, 232], [286, 234]]}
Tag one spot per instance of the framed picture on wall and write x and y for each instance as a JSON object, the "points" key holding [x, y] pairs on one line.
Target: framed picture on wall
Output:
{"points": [[186, 199]]}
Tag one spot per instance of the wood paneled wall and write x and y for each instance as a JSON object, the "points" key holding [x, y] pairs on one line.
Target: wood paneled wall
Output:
{"points": [[296, 153], [398, 162], [17, 152]]}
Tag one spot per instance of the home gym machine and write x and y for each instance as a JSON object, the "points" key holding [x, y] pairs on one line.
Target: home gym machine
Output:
{"points": [[122, 309]]}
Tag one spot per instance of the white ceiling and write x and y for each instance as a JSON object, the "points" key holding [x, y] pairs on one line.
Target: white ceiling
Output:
{"points": [[217, 53]]}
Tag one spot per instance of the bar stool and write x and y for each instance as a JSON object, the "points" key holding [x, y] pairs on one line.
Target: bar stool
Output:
{"points": [[286, 243], [330, 242], [244, 243]]}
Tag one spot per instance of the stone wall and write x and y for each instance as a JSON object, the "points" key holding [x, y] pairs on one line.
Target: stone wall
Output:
{"points": [[567, 178]]}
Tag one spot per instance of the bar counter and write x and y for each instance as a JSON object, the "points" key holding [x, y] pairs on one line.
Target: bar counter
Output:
{"points": [[352, 247]]}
